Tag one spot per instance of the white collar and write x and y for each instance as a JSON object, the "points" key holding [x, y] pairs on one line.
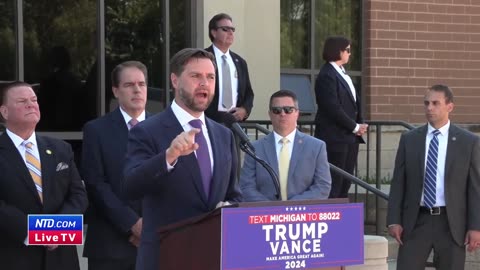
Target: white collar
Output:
{"points": [[290, 137], [17, 140], [443, 130], [127, 117], [183, 116]]}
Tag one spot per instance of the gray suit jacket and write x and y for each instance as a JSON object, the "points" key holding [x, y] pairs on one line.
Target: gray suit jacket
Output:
{"points": [[462, 181], [308, 174]]}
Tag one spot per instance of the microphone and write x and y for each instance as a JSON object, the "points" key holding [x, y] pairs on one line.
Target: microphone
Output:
{"points": [[235, 127], [248, 148]]}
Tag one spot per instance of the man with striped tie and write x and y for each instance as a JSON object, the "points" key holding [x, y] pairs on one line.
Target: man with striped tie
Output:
{"points": [[38, 176], [435, 190]]}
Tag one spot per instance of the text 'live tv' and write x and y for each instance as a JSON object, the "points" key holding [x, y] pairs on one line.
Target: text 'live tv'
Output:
{"points": [[55, 229]]}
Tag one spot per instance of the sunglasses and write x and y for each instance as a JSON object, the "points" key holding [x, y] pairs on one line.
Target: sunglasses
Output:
{"points": [[226, 28], [286, 109], [348, 50]]}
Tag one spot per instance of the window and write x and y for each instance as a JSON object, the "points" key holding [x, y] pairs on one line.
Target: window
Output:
{"points": [[134, 31], [305, 24], [7, 40], [295, 33], [338, 17], [58, 55]]}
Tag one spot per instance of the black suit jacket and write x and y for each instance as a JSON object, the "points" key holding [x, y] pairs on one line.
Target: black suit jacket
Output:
{"points": [[337, 112], [110, 216], [172, 196], [245, 91], [462, 181], [63, 193]]}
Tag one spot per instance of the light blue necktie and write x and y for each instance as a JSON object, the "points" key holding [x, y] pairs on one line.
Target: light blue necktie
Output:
{"points": [[430, 185], [226, 84]]}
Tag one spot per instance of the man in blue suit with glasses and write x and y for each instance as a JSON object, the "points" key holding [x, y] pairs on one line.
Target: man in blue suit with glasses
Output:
{"points": [[300, 160]]}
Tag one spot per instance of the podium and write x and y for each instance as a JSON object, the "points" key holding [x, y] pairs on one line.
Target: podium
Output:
{"points": [[195, 243]]}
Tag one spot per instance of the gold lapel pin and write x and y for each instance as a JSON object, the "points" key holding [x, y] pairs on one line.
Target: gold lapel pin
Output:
{"points": [[48, 151]]}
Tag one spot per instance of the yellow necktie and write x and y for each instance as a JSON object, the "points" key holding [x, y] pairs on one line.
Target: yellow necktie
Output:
{"points": [[283, 164], [34, 167]]}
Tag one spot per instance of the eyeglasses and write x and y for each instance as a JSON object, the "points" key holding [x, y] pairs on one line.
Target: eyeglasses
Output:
{"points": [[348, 50], [286, 109], [226, 28]]}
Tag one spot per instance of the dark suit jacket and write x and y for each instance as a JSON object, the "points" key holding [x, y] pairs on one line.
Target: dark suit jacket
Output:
{"points": [[308, 175], [337, 112], [462, 181], [245, 92], [172, 196], [110, 216], [63, 193]]}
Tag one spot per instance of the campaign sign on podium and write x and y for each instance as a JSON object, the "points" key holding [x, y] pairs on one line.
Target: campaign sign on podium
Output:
{"points": [[292, 237]]}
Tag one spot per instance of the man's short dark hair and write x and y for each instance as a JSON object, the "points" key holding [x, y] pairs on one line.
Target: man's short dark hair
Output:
{"points": [[212, 24], [333, 46], [6, 87], [447, 92], [128, 64], [181, 58], [283, 93]]}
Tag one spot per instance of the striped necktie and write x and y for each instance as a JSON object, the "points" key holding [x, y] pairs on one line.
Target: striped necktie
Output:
{"points": [[34, 167], [430, 185]]}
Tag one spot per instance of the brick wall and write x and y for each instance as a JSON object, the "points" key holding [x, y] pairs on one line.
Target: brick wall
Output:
{"points": [[413, 44]]}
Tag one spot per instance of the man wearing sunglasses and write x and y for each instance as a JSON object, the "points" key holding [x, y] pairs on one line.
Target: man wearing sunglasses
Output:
{"points": [[233, 99], [300, 160]]}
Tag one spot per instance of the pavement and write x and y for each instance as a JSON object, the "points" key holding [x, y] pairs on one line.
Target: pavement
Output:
{"points": [[83, 261]]}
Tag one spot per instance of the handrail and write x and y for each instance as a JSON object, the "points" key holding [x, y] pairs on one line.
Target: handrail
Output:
{"points": [[257, 126], [350, 177], [359, 182], [390, 123]]}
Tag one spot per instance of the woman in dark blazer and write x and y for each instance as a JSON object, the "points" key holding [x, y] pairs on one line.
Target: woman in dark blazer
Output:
{"points": [[339, 120]]}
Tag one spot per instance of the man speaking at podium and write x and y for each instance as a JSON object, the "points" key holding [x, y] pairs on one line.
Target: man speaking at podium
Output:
{"points": [[181, 163], [300, 160]]}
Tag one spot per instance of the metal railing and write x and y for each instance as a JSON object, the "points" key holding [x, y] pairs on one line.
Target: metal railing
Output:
{"points": [[374, 126], [258, 128]]}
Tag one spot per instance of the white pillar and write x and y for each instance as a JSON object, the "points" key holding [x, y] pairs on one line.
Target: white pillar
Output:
{"points": [[375, 252]]}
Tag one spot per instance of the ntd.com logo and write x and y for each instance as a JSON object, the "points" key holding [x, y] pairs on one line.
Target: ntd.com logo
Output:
{"points": [[55, 229]]}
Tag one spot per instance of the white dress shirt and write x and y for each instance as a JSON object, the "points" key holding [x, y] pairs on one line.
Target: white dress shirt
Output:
{"points": [[184, 118], [233, 75], [349, 81], [127, 117], [278, 144], [347, 78], [442, 154], [18, 142]]}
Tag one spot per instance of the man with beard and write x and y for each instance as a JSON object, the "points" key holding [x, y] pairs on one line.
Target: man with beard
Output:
{"points": [[173, 162]]}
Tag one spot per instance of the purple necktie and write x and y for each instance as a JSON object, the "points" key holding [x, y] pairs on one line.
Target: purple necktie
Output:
{"points": [[203, 157], [132, 122]]}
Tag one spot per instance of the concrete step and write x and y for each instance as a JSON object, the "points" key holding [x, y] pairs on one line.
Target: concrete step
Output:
{"points": [[472, 260], [376, 251]]}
